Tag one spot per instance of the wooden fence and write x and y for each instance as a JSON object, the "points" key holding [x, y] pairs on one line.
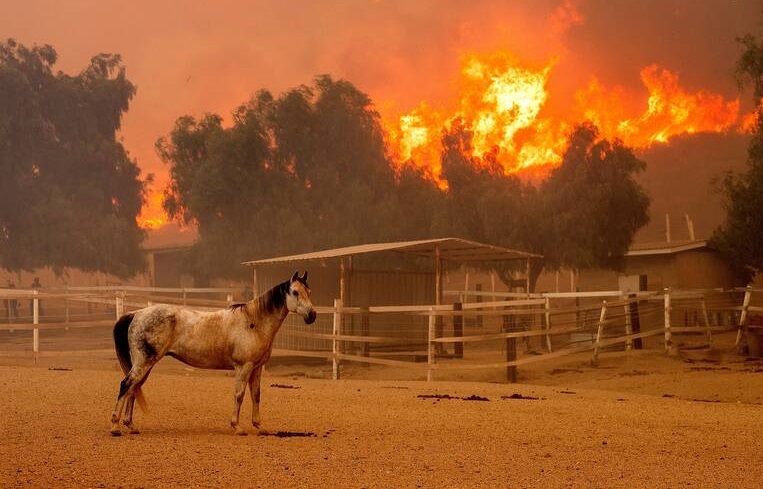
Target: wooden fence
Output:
{"points": [[470, 334]]}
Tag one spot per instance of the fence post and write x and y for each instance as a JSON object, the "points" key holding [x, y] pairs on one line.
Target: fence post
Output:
{"points": [[628, 325], [119, 305], [66, 302], [510, 326], [706, 318], [334, 342], [458, 330], [743, 316], [668, 335], [599, 331], [229, 299], [431, 344], [365, 330], [36, 331], [548, 324]]}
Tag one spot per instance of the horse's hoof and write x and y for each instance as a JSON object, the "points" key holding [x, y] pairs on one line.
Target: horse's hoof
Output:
{"points": [[133, 431], [115, 432], [241, 431]]}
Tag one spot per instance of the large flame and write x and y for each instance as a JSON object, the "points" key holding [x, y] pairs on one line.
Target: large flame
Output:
{"points": [[505, 105]]}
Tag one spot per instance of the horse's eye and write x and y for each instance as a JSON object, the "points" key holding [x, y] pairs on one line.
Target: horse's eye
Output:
{"points": [[294, 293]]}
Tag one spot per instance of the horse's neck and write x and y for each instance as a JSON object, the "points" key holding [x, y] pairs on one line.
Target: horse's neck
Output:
{"points": [[269, 310]]}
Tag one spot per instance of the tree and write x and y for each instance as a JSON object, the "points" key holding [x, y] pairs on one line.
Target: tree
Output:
{"points": [[306, 170], [740, 237], [584, 214], [592, 205], [69, 193]]}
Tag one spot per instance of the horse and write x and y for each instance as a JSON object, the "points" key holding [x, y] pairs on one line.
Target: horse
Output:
{"points": [[238, 338]]}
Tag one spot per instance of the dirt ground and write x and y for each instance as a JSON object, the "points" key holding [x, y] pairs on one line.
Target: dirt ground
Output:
{"points": [[637, 419]]}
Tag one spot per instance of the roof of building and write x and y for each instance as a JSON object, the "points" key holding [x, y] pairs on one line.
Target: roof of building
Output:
{"points": [[451, 249], [666, 247]]}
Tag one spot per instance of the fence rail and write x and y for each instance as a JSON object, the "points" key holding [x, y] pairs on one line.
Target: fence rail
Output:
{"points": [[428, 338]]}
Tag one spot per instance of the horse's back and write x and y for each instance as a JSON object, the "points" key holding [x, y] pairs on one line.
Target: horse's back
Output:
{"points": [[200, 339]]}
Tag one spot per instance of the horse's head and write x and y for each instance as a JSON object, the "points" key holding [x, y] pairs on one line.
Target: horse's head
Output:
{"points": [[298, 298]]}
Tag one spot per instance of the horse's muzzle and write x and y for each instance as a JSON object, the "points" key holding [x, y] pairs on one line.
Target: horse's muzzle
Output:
{"points": [[310, 318]]}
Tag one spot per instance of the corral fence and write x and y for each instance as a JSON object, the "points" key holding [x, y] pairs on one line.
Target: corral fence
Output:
{"points": [[493, 332], [56, 311]]}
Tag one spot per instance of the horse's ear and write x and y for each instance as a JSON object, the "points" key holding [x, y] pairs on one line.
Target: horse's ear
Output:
{"points": [[304, 277], [295, 276]]}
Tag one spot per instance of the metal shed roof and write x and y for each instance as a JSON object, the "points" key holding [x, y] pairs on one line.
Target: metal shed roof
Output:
{"points": [[451, 249], [666, 247]]}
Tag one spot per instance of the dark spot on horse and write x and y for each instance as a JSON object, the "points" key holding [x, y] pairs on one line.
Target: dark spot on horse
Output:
{"points": [[148, 349], [251, 325]]}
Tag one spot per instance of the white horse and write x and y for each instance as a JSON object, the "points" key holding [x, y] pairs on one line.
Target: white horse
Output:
{"points": [[238, 338]]}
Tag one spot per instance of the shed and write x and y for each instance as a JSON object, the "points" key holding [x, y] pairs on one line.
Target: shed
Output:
{"points": [[404, 273], [436, 251]]}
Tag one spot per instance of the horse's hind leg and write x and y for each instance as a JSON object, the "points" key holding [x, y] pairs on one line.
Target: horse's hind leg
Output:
{"points": [[126, 398], [243, 372], [129, 405]]}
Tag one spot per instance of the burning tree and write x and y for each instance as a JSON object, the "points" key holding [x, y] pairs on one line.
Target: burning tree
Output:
{"points": [[306, 170], [584, 214]]}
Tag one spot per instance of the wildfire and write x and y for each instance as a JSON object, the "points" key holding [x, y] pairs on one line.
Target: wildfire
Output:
{"points": [[152, 215], [505, 106]]}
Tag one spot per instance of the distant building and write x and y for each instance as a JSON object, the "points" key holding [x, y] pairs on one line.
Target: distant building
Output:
{"points": [[165, 266], [688, 264]]}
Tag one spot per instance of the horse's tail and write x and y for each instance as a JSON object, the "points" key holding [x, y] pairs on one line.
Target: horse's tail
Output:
{"points": [[122, 347]]}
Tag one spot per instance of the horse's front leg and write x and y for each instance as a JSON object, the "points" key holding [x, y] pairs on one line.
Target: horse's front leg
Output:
{"points": [[242, 374], [254, 391]]}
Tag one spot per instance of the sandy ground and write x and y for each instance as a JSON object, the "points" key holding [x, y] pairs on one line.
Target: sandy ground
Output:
{"points": [[639, 419]]}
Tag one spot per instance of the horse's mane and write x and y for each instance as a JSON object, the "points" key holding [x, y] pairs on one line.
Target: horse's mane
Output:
{"points": [[270, 301]]}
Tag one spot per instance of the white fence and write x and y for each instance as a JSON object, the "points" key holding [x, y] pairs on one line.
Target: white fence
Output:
{"points": [[470, 334]]}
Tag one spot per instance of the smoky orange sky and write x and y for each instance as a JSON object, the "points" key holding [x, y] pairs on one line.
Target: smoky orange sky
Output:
{"points": [[192, 57]]}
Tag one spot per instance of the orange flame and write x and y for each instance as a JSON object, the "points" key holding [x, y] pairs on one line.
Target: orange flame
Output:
{"points": [[152, 215], [503, 103]]}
